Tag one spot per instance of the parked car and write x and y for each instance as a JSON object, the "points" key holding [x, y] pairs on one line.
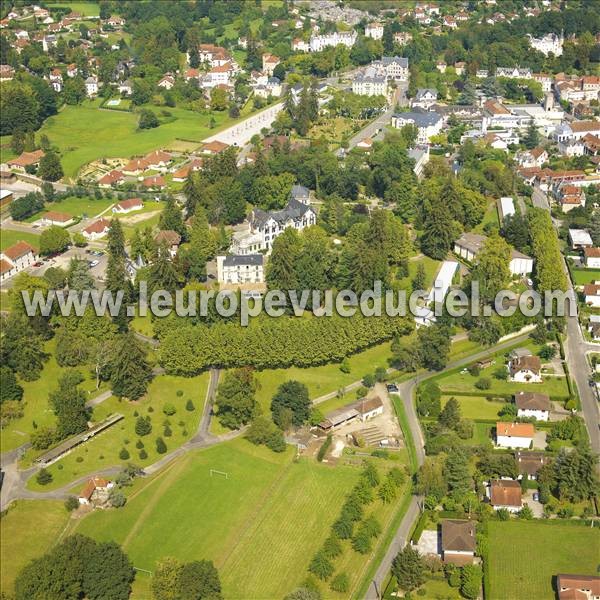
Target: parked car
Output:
{"points": [[94, 263], [392, 388], [536, 497]]}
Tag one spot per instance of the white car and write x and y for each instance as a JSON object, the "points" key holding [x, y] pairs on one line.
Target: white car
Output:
{"points": [[94, 263]]}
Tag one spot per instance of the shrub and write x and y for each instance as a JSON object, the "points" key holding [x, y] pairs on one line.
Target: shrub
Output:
{"points": [[179, 393], [167, 431], [483, 384], [324, 448], [139, 444], [79, 459], [124, 454], [503, 514], [143, 426], [474, 370], [71, 503], [44, 477], [189, 406], [117, 499], [161, 447], [345, 366], [143, 454], [169, 409]]}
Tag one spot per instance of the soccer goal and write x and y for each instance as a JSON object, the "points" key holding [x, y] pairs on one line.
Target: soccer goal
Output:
{"points": [[222, 473]]}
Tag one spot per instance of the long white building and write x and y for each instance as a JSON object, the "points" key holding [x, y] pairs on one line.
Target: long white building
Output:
{"points": [[549, 44], [327, 40]]}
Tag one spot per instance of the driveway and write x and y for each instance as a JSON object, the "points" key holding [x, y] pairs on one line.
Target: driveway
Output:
{"points": [[539, 440], [536, 507], [429, 542]]}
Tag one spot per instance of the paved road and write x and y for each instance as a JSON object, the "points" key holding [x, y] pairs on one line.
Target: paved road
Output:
{"points": [[539, 199], [406, 391]]}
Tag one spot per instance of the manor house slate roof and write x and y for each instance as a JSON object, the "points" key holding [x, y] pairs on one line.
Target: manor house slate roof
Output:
{"points": [[234, 260], [294, 210]]}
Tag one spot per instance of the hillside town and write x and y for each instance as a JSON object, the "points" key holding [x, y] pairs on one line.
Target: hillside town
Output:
{"points": [[239, 175]]}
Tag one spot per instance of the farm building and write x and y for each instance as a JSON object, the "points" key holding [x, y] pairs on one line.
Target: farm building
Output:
{"points": [[363, 409]]}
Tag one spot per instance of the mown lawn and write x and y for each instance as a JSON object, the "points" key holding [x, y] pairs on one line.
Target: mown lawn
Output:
{"points": [[8, 237], [103, 450], [85, 133], [28, 530], [80, 207], [35, 401], [431, 268], [583, 276], [261, 526], [87, 9], [476, 407], [551, 547]]}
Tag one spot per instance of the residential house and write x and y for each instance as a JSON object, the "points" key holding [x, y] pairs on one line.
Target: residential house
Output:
{"points": [[532, 404], [460, 67], [182, 173], [114, 177], [592, 257], [402, 38], [580, 239], [135, 166], [425, 98], [72, 70], [578, 587], [192, 74], [428, 123], [26, 159], [450, 22], [213, 55], [368, 408], [56, 80], [126, 206], [157, 182], [214, 147], [529, 463], [458, 541], [300, 194], [420, 154], [158, 160], [396, 67], [264, 227], [125, 88], [363, 409], [299, 45], [544, 80], [514, 435], [15, 258], [532, 158], [576, 130], [374, 30], [167, 82], [6, 72], [95, 492], [98, 229], [91, 86], [269, 62], [169, 238], [591, 292], [570, 197], [371, 82], [240, 269], [218, 75], [505, 493], [525, 369], [56, 218], [513, 73]]}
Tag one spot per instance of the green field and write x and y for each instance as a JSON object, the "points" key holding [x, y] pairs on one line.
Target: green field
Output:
{"points": [[583, 276], [79, 207], [86, 133], [260, 526], [103, 450], [87, 9], [28, 529], [431, 268], [525, 556], [476, 407], [8, 237]]}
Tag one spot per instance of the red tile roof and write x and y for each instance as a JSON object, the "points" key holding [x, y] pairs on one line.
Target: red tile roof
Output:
{"points": [[515, 429], [111, 178], [27, 158], [18, 250], [5, 266], [505, 493], [98, 226], [57, 217], [131, 203]]}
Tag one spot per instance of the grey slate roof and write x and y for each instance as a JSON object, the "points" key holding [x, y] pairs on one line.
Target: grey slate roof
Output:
{"points": [[235, 260], [424, 119], [294, 210], [422, 91], [299, 191], [387, 60]]}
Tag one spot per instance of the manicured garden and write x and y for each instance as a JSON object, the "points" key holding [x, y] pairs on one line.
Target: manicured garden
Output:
{"points": [[525, 556], [27, 530], [165, 394], [583, 276]]}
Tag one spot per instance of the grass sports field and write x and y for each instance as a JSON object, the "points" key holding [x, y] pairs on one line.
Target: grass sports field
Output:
{"points": [[28, 529], [85, 133], [556, 547], [8, 237], [260, 526], [103, 450]]}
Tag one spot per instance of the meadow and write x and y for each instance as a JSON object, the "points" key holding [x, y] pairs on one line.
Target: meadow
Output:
{"points": [[103, 450], [28, 529], [260, 526], [87, 9], [557, 548], [85, 133], [476, 407], [79, 207], [8, 237]]}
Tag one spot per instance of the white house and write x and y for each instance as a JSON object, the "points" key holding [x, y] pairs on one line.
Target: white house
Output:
{"points": [[514, 435], [513, 73], [167, 82], [264, 227], [368, 408], [506, 207], [532, 404], [91, 86], [15, 258], [127, 206], [532, 158], [549, 44], [425, 97], [374, 30], [505, 493], [238, 269], [299, 45], [525, 369], [591, 291], [396, 67], [56, 218], [98, 229], [96, 486], [372, 82], [592, 258], [320, 42], [269, 62], [520, 264], [428, 124], [580, 239]]}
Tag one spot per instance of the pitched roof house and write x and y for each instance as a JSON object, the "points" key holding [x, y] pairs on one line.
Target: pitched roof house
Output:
{"points": [[97, 229], [578, 587], [514, 435], [127, 206], [505, 494], [525, 369], [458, 541], [532, 404]]}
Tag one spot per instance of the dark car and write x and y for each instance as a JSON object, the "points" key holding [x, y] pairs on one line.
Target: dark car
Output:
{"points": [[392, 388]]}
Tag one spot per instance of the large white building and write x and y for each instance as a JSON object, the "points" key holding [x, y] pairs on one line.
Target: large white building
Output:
{"points": [[327, 40], [236, 269], [396, 67], [264, 227], [371, 82], [374, 30], [427, 123], [17, 257], [549, 44]]}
